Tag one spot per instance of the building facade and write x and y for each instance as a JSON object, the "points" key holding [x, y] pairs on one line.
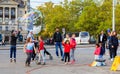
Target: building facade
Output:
{"points": [[10, 11]]}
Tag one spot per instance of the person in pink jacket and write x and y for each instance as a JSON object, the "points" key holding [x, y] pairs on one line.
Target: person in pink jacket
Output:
{"points": [[97, 51], [73, 47]]}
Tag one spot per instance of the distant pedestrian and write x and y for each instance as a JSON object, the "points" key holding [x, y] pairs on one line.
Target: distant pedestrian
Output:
{"points": [[13, 42], [114, 45], [73, 48], [57, 37], [102, 38], [28, 49], [41, 51], [67, 48]]}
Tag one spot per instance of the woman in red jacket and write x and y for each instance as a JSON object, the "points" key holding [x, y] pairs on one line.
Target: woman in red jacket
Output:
{"points": [[97, 51], [67, 48]]}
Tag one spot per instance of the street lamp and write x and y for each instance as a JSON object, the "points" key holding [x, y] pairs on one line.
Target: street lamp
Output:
{"points": [[113, 17]]}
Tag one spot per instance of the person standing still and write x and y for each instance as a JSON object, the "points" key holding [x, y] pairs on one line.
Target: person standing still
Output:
{"points": [[73, 48], [57, 37], [114, 45], [102, 38], [13, 41]]}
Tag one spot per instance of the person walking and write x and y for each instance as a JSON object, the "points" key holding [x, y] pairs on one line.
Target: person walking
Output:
{"points": [[28, 49], [57, 37], [41, 51], [102, 38], [30, 34], [67, 48], [13, 42], [114, 45], [73, 48]]}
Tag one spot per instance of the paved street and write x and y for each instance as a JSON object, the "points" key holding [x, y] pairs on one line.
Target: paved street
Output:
{"points": [[84, 56]]}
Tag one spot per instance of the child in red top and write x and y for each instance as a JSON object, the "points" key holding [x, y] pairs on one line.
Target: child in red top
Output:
{"points": [[41, 51], [67, 48], [97, 51]]}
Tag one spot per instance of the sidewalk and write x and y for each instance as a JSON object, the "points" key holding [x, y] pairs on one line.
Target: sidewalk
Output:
{"points": [[20, 46]]}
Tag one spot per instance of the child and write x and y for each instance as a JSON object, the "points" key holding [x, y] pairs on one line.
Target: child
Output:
{"points": [[73, 44], [67, 48], [97, 51], [98, 57], [41, 51], [28, 49]]}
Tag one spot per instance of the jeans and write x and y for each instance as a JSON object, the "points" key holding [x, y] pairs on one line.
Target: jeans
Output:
{"points": [[42, 56], [59, 44], [13, 51], [72, 54], [28, 59]]}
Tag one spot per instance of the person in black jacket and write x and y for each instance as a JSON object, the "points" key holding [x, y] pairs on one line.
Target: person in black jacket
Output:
{"points": [[102, 38], [13, 41], [114, 45], [57, 37]]}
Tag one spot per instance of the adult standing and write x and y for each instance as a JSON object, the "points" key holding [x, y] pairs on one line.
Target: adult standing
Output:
{"points": [[114, 45], [13, 41], [109, 43], [102, 38], [57, 37]]}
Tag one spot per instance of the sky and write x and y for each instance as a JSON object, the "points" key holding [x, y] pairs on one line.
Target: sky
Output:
{"points": [[35, 3]]}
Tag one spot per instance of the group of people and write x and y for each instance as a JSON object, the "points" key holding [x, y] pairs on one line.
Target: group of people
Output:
{"points": [[69, 43], [110, 42]]}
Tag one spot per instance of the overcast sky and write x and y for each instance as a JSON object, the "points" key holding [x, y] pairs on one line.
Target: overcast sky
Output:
{"points": [[35, 3]]}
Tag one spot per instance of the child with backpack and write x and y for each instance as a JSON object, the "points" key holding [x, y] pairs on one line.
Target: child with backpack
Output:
{"points": [[73, 47]]}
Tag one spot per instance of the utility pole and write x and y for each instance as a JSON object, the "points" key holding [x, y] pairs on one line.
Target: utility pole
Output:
{"points": [[113, 17]]}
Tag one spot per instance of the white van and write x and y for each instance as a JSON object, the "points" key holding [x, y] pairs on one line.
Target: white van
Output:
{"points": [[82, 37]]}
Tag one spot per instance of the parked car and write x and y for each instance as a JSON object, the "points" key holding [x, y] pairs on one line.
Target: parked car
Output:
{"points": [[92, 40], [49, 41]]}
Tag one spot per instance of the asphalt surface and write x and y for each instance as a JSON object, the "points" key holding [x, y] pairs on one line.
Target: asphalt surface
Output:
{"points": [[83, 54]]}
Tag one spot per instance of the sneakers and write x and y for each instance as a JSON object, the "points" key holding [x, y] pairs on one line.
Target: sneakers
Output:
{"points": [[38, 63], [112, 59], [15, 60], [72, 62], [44, 63], [11, 60]]}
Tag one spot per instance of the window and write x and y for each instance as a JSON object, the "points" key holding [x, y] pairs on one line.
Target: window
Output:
{"points": [[6, 19], [1, 11], [1, 19], [6, 28], [0, 28], [13, 11], [6, 11]]}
